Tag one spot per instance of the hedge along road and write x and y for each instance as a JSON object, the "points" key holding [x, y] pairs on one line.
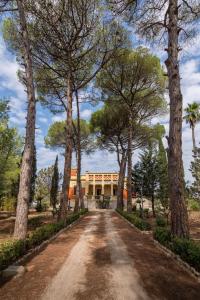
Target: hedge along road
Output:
{"points": [[102, 257]]}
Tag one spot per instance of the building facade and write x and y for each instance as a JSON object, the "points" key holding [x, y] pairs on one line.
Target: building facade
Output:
{"points": [[96, 184]]}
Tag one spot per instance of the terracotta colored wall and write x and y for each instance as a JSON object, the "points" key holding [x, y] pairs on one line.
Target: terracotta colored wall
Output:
{"points": [[71, 192], [73, 172], [125, 193]]}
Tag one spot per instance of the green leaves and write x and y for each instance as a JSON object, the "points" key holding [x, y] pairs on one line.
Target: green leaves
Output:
{"points": [[195, 169], [56, 137], [192, 115], [135, 220], [10, 149], [134, 79]]}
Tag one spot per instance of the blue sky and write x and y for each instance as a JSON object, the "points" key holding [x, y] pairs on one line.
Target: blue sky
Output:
{"points": [[100, 160]]}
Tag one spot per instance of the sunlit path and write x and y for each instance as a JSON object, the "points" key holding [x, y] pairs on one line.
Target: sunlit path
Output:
{"points": [[102, 257]]}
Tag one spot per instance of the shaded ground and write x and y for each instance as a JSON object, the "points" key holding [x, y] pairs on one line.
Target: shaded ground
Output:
{"points": [[7, 221], [194, 217], [102, 257]]}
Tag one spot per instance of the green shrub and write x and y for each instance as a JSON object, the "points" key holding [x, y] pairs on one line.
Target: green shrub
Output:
{"points": [[194, 205], [146, 212], [162, 235], [83, 211], [134, 208], [188, 250], [135, 220], [43, 233], [40, 207], [160, 221], [8, 204], [11, 251], [35, 221]]}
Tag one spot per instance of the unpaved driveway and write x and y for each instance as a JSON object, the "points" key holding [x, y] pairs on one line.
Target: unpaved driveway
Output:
{"points": [[102, 257]]}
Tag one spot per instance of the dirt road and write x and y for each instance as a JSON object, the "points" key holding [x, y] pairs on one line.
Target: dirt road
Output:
{"points": [[102, 257]]}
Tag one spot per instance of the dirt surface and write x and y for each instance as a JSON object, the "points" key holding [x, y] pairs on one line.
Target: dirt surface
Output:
{"points": [[7, 222], [194, 219], [102, 257]]}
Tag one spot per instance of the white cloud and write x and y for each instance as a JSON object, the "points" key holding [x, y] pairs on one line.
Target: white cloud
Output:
{"points": [[43, 120], [8, 72], [45, 157], [191, 48], [102, 161], [99, 161], [86, 113], [58, 118], [190, 73]]}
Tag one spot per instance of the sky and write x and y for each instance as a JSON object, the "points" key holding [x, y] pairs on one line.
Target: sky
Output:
{"points": [[100, 160]]}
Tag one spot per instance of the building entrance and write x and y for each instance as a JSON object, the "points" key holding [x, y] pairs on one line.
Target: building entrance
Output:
{"points": [[98, 191]]}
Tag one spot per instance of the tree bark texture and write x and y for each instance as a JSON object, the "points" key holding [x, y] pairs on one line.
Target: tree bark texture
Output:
{"points": [[179, 216], [79, 196], [193, 138], [68, 153], [153, 205], [120, 187], [129, 165], [21, 221]]}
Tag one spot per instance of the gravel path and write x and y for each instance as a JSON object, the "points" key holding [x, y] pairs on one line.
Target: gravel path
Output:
{"points": [[102, 258]]}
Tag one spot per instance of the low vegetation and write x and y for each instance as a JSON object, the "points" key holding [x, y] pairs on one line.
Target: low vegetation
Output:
{"points": [[187, 249], [12, 250], [135, 220]]}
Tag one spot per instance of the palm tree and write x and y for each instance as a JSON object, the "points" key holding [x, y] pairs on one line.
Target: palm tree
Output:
{"points": [[192, 117]]}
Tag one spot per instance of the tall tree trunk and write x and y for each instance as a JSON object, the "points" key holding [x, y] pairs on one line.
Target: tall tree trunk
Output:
{"points": [[120, 186], [20, 229], [79, 197], [129, 165], [193, 139], [179, 216], [68, 153], [153, 205]]}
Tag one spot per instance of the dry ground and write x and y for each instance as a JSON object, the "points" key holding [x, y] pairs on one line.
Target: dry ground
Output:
{"points": [[102, 257], [7, 221]]}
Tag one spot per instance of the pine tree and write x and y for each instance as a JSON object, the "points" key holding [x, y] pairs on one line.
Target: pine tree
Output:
{"points": [[54, 186], [33, 177], [146, 175], [162, 169]]}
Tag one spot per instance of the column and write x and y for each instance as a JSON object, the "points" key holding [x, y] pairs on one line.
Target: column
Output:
{"points": [[87, 182], [93, 186], [86, 188], [102, 185], [111, 189]]}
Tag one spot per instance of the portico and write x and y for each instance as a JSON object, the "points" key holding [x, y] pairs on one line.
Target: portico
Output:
{"points": [[102, 189], [96, 185]]}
